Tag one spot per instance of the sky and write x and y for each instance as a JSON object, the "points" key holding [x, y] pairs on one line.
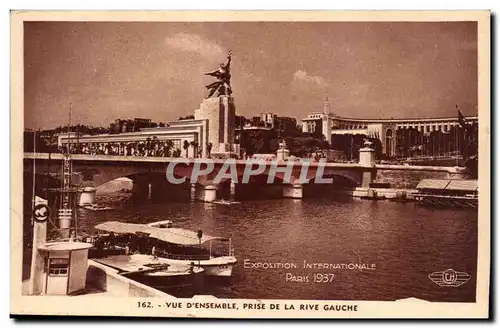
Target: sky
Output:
{"points": [[110, 70]]}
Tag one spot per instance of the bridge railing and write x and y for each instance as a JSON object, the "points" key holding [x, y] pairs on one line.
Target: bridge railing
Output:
{"points": [[118, 158]]}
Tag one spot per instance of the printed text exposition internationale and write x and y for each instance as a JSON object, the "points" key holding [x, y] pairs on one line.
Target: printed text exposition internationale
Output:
{"points": [[248, 264]]}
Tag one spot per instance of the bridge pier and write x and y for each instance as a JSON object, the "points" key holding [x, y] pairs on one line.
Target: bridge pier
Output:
{"points": [[367, 160], [193, 192], [232, 190], [205, 193], [295, 191], [224, 190], [87, 196], [368, 176]]}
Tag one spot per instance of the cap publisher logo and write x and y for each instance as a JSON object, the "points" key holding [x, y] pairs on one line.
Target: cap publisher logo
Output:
{"points": [[449, 278]]}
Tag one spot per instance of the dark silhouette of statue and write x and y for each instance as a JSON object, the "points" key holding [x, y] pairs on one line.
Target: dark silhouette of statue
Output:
{"points": [[221, 87]]}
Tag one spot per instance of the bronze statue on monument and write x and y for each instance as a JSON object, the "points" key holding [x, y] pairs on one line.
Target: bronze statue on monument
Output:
{"points": [[221, 87]]}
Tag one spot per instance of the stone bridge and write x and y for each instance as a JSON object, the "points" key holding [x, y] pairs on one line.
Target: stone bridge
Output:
{"points": [[149, 174]]}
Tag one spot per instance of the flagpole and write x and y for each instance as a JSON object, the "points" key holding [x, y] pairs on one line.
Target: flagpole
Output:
{"points": [[34, 175]]}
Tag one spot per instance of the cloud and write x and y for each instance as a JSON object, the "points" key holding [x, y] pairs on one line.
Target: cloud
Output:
{"points": [[303, 78], [195, 44]]}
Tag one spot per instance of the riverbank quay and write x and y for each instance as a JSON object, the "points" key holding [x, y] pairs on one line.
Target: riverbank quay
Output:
{"points": [[440, 192], [381, 193]]}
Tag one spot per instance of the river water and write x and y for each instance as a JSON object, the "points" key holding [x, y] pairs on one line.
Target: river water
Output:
{"points": [[379, 250]]}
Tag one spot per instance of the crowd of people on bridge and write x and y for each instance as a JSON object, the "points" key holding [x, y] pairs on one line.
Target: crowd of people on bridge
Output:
{"points": [[157, 148], [153, 147]]}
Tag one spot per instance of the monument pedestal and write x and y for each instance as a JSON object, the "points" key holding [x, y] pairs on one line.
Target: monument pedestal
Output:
{"points": [[367, 159], [282, 154], [219, 112]]}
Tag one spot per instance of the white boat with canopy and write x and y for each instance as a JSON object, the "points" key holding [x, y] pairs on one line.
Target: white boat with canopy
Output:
{"points": [[179, 246]]}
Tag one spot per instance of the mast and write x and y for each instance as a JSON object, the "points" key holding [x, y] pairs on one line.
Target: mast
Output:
{"points": [[69, 127], [66, 209], [34, 175], [67, 165]]}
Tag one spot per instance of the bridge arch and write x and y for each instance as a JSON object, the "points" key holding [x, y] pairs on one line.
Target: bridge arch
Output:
{"points": [[349, 177], [256, 188]]}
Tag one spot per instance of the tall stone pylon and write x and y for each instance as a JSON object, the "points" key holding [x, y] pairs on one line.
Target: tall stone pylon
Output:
{"points": [[219, 113], [326, 106], [326, 124]]}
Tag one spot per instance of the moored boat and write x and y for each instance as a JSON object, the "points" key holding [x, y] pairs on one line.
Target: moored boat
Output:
{"points": [[180, 246], [448, 192], [221, 266], [95, 207]]}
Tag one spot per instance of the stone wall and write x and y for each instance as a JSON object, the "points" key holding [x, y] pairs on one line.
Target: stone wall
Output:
{"points": [[407, 179]]}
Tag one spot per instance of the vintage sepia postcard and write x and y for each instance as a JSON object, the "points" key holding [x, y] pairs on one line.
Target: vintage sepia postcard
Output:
{"points": [[271, 164]]}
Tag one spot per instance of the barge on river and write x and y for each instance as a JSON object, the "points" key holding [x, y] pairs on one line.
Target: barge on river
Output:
{"points": [[447, 192]]}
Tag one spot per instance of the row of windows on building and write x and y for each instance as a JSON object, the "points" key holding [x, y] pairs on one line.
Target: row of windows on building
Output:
{"points": [[428, 128], [446, 127], [311, 127], [421, 127], [350, 126]]}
